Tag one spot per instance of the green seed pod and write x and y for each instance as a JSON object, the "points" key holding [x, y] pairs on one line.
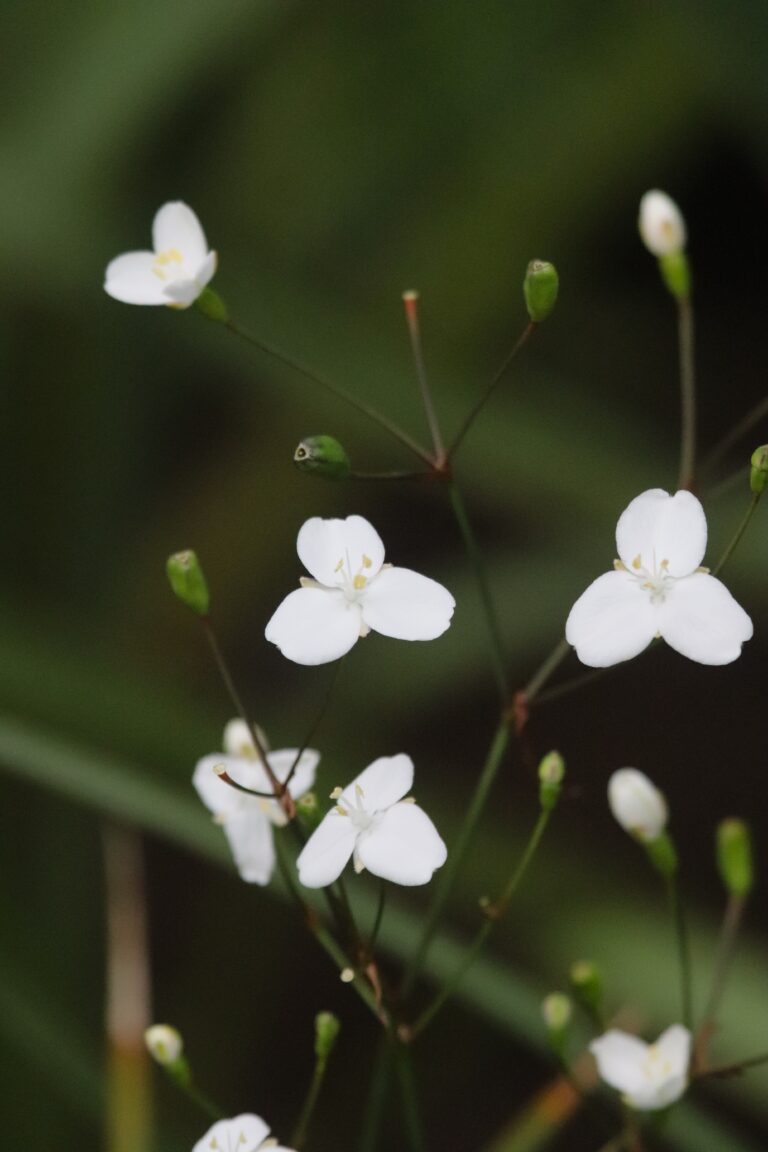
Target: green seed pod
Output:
{"points": [[188, 581], [326, 1030], [551, 773], [322, 456], [676, 274], [540, 289], [212, 306], [734, 856], [758, 477], [587, 984]]}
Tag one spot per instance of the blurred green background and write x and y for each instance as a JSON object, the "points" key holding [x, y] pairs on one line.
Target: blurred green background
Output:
{"points": [[338, 153]]}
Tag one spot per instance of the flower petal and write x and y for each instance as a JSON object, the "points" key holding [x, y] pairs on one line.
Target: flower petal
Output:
{"points": [[303, 778], [403, 846], [246, 1133], [613, 620], [402, 604], [314, 625], [674, 1046], [700, 619], [620, 1059], [329, 848], [658, 527], [217, 796], [183, 291], [382, 783], [176, 226], [249, 832], [130, 278], [327, 546]]}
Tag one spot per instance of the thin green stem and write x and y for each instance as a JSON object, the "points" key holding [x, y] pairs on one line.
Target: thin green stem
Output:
{"points": [[182, 1078], [317, 720], [734, 910], [683, 949], [374, 935], [754, 416], [481, 578], [335, 389], [687, 393], [458, 439], [738, 533], [531, 690], [423, 475], [476, 947], [411, 1114], [378, 1090], [411, 302], [308, 1108], [733, 1069]]}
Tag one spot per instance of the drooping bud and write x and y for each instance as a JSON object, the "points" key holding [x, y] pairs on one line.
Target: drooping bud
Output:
{"points": [[758, 477], [661, 224], [734, 856], [188, 581], [164, 1044], [322, 456], [587, 985], [557, 1011], [540, 289], [326, 1030], [637, 804], [551, 773], [212, 306]]}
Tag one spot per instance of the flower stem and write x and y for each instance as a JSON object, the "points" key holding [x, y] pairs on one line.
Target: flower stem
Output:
{"points": [[738, 533], [378, 918], [481, 577], [378, 1090], [754, 416], [187, 1085], [411, 1113], [683, 948], [733, 1069], [550, 665], [734, 910], [411, 302], [335, 389], [523, 339], [687, 393], [317, 720]]}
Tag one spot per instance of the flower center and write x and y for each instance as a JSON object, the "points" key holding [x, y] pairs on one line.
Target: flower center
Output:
{"points": [[654, 579], [361, 819], [167, 265], [656, 1067], [352, 582]]}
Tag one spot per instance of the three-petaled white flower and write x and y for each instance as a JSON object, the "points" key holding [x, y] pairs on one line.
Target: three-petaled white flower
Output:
{"points": [[175, 273], [637, 804], [245, 1133], [248, 820], [375, 826], [353, 592], [658, 589], [649, 1076]]}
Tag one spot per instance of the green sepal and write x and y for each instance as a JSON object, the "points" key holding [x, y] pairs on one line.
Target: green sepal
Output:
{"points": [[662, 854], [212, 306], [676, 274]]}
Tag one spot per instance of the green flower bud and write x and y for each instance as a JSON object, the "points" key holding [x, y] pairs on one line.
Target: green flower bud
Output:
{"points": [[758, 477], [557, 1011], [188, 581], [662, 854], [676, 274], [212, 306], [322, 456], [551, 773], [734, 856], [587, 984], [540, 289], [308, 811], [326, 1030]]}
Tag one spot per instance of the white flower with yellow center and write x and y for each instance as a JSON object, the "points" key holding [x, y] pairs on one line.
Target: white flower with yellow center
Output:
{"points": [[245, 1133], [649, 1076], [175, 273], [658, 589], [248, 820], [353, 592], [373, 825]]}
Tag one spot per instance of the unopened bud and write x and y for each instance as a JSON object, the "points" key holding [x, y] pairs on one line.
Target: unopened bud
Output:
{"points": [[188, 581], [661, 224], [551, 773], [587, 984], [212, 306], [308, 811], [557, 1010], [164, 1044], [326, 1030], [540, 289], [322, 456], [637, 804], [758, 477], [734, 856]]}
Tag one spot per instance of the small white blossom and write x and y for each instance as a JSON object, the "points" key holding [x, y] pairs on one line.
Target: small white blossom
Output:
{"points": [[248, 820], [373, 825], [637, 804], [175, 273], [353, 592], [649, 1076], [245, 1133], [658, 589], [164, 1044], [661, 224]]}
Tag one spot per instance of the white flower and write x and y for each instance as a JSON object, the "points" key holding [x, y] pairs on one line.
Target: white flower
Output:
{"points": [[353, 592], [658, 589], [649, 1076], [175, 273], [247, 820], [371, 822], [164, 1044], [245, 1133], [637, 804], [661, 224]]}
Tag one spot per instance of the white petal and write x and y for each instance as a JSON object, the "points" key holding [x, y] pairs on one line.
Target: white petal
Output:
{"points": [[131, 279], [613, 620], [658, 527], [176, 226], [327, 546], [244, 1133], [238, 741], [403, 846], [183, 291], [407, 606], [314, 625], [700, 619], [303, 778], [328, 850], [249, 832], [661, 224], [637, 804], [620, 1059], [382, 783], [674, 1046], [217, 796]]}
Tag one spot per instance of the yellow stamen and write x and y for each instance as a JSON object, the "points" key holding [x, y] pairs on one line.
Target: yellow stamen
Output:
{"points": [[637, 562], [367, 562], [359, 582]]}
